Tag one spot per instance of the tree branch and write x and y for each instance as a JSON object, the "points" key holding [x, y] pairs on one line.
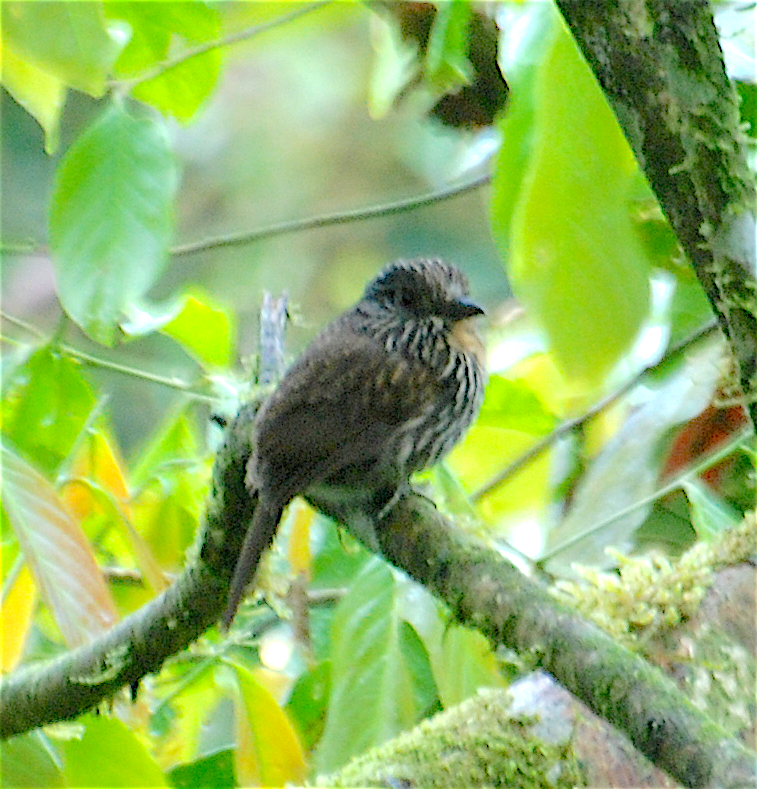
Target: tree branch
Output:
{"points": [[482, 589]]}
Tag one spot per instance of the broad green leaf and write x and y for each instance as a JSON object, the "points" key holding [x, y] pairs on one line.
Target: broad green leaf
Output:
{"points": [[155, 27], [520, 58], [575, 261], [381, 680], [268, 750], [40, 93], [69, 41], [28, 763], [108, 754], [462, 659], [447, 64], [338, 560], [110, 219], [46, 404], [710, 513], [55, 547]]}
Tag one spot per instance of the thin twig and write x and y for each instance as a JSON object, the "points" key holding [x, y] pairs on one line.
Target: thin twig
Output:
{"points": [[233, 38], [327, 220], [96, 361], [571, 424]]}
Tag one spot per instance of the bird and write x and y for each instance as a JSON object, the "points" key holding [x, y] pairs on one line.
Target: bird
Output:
{"points": [[385, 390]]}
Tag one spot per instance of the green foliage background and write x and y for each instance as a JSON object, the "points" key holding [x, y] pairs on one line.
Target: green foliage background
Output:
{"points": [[118, 149]]}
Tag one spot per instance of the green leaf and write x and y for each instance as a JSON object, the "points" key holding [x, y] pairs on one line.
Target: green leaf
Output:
{"points": [[205, 329], [381, 680], [57, 551], [307, 702], [41, 94], [465, 664], [520, 59], [46, 404], [69, 41], [575, 261], [395, 66], [513, 405], [200, 324], [447, 64], [108, 754], [27, 762], [710, 513], [172, 478], [155, 27], [110, 220], [216, 770]]}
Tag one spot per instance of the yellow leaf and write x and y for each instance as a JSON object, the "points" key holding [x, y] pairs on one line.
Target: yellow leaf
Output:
{"points": [[268, 751], [299, 537], [41, 94], [15, 619]]}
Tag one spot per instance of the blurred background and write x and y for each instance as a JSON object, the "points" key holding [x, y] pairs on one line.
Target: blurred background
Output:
{"points": [[286, 135]]}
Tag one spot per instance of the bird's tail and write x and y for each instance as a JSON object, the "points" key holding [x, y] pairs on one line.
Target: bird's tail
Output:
{"points": [[259, 536]]}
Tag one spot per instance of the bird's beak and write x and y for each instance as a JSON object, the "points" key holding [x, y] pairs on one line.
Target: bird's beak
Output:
{"points": [[465, 307]]}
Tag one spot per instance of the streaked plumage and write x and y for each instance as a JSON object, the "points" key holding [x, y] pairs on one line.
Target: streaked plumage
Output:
{"points": [[386, 389]]}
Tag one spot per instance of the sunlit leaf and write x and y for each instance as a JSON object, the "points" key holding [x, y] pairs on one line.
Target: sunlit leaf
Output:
{"points": [[513, 405], [97, 483], [98, 460], [16, 618], [205, 329], [46, 404], [40, 93], [111, 219], [29, 764], [69, 41], [466, 663], [268, 750], [575, 261], [171, 482], [108, 754], [155, 28], [447, 64], [55, 547]]}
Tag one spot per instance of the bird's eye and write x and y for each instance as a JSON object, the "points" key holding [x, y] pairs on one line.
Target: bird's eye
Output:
{"points": [[405, 299]]}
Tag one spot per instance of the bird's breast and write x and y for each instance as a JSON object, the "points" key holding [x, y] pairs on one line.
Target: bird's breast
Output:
{"points": [[464, 337]]}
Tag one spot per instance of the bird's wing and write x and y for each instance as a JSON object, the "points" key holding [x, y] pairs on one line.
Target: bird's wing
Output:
{"points": [[337, 407]]}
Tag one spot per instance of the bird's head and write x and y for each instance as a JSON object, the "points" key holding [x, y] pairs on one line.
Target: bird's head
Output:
{"points": [[421, 288]]}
